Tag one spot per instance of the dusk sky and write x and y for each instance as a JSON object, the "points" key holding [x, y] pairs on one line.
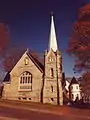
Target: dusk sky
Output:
{"points": [[29, 23]]}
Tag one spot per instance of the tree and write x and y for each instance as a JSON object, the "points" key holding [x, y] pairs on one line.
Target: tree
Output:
{"points": [[85, 83], [4, 36], [9, 54], [4, 40], [79, 42], [10, 57]]}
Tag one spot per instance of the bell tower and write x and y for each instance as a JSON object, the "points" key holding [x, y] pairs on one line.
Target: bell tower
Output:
{"points": [[52, 92]]}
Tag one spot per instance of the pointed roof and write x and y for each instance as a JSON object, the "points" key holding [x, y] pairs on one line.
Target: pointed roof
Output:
{"points": [[74, 81], [52, 40], [38, 61]]}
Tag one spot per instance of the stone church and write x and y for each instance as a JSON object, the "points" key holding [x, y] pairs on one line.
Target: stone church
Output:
{"points": [[35, 80]]}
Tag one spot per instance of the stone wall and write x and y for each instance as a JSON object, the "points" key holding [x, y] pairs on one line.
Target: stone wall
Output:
{"points": [[12, 91]]}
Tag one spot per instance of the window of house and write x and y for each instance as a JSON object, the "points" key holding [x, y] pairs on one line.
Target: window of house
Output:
{"points": [[51, 88], [51, 72], [52, 99], [24, 98], [21, 80], [25, 81], [71, 87], [26, 61], [19, 98], [50, 59], [26, 78], [72, 96], [29, 98], [76, 87], [77, 95]]}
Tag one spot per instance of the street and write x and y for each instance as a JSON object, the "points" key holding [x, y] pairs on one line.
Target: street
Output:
{"points": [[21, 114], [11, 112]]}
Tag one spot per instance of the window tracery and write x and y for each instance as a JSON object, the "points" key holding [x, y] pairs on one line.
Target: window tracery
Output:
{"points": [[25, 81]]}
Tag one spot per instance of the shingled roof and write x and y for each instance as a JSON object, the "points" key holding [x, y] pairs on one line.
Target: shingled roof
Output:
{"points": [[38, 61], [7, 77], [74, 81]]}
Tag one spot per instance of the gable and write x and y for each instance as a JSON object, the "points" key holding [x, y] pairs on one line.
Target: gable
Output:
{"points": [[74, 81], [51, 56], [51, 53], [27, 60], [37, 60]]}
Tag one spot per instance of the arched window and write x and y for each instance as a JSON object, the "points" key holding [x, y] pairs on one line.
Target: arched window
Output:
{"points": [[25, 82], [26, 78], [51, 72]]}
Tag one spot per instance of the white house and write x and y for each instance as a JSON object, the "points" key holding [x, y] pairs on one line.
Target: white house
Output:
{"points": [[74, 89]]}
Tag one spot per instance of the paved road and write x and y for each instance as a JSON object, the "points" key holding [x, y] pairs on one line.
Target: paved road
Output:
{"points": [[10, 113]]}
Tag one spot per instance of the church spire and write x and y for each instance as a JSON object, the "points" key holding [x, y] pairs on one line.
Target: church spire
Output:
{"points": [[53, 41]]}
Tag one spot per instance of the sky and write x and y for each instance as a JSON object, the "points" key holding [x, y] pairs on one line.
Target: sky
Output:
{"points": [[29, 24]]}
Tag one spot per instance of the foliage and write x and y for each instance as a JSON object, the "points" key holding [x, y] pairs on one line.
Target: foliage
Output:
{"points": [[4, 36], [8, 54], [86, 79], [85, 84], [10, 57], [79, 42]]}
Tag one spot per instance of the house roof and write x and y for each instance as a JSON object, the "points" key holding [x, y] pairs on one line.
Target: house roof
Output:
{"points": [[39, 62], [7, 77], [74, 81], [68, 79]]}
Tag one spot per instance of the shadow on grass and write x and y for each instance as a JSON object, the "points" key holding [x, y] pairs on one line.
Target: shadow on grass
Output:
{"points": [[80, 105]]}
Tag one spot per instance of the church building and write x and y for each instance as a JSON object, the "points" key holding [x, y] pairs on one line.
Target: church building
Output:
{"points": [[35, 80]]}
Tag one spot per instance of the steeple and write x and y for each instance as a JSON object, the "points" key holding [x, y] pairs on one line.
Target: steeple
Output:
{"points": [[52, 40]]}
